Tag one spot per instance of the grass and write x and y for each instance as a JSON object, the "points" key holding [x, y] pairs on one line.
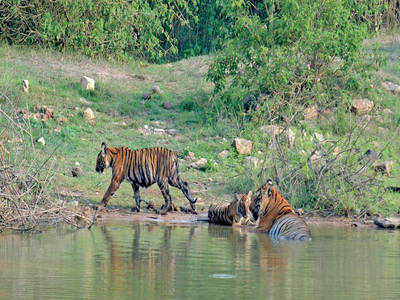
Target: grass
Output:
{"points": [[120, 112]]}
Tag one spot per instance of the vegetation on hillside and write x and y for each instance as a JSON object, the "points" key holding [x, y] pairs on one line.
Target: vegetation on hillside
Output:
{"points": [[283, 74]]}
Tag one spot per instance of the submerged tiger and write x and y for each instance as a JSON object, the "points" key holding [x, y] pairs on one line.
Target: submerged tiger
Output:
{"points": [[235, 213], [274, 215], [142, 168]]}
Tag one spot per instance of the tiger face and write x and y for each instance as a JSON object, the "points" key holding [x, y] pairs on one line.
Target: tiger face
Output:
{"points": [[259, 198], [103, 159]]}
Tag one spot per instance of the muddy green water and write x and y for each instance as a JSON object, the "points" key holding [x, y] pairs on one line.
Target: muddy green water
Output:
{"points": [[178, 261]]}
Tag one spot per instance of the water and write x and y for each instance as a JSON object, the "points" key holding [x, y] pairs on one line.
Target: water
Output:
{"points": [[178, 261]]}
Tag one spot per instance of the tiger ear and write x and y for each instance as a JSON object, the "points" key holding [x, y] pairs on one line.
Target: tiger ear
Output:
{"points": [[269, 181], [270, 191], [103, 148]]}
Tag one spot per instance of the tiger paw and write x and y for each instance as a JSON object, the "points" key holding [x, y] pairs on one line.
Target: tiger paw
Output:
{"points": [[135, 209]]}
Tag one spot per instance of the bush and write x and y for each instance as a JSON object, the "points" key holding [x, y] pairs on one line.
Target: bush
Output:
{"points": [[295, 53]]}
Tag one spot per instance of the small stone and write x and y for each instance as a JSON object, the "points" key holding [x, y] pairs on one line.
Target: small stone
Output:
{"points": [[319, 137], [190, 156], [391, 87], [290, 137], [155, 89], [243, 146], [370, 156], [25, 85], [89, 114], [361, 106], [337, 150], [167, 105], [388, 223], [200, 164], [250, 162], [87, 83], [84, 101], [223, 154], [315, 156], [146, 96], [271, 130], [387, 111], [383, 167], [77, 163], [310, 112], [61, 121], [41, 141], [76, 171]]}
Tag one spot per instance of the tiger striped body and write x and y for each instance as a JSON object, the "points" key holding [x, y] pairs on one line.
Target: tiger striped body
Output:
{"points": [[142, 168], [275, 215], [235, 213]]}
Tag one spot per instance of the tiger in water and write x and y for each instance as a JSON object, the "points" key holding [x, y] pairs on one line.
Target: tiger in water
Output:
{"points": [[236, 212], [273, 214], [142, 168]]}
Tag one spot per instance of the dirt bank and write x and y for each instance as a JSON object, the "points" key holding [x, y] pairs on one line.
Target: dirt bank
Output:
{"points": [[179, 217]]}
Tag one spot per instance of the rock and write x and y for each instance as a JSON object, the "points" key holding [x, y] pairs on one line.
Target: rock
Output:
{"points": [[337, 150], [271, 130], [250, 162], [62, 121], [25, 85], [370, 156], [44, 113], [199, 164], [167, 105], [77, 163], [155, 89], [388, 223], [87, 83], [361, 106], [41, 141], [223, 154], [89, 114], [172, 131], [310, 112], [383, 167], [190, 156], [290, 137], [319, 137], [315, 156], [243, 146], [84, 101], [391, 87], [76, 172], [146, 96], [387, 111]]}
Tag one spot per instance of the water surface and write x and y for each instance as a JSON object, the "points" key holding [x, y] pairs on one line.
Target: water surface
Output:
{"points": [[178, 261]]}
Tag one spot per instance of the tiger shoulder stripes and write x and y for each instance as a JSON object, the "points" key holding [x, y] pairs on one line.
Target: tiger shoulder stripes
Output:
{"points": [[142, 168], [274, 215], [236, 212]]}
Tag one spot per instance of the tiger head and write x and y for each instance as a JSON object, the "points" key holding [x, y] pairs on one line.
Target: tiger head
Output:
{"points": [[267, 201], [242, 202], [103, 159]]}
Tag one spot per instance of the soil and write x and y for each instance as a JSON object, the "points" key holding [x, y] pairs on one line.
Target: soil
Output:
{"points": [[179, 217]]}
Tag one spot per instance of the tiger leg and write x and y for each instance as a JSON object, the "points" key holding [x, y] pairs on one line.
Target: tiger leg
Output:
{"points": [[113, 187], [167, 197], [184, 187], [136, 193]]}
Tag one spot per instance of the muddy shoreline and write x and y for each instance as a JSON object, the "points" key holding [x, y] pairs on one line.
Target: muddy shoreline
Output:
{"points": [[179, 217]]}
